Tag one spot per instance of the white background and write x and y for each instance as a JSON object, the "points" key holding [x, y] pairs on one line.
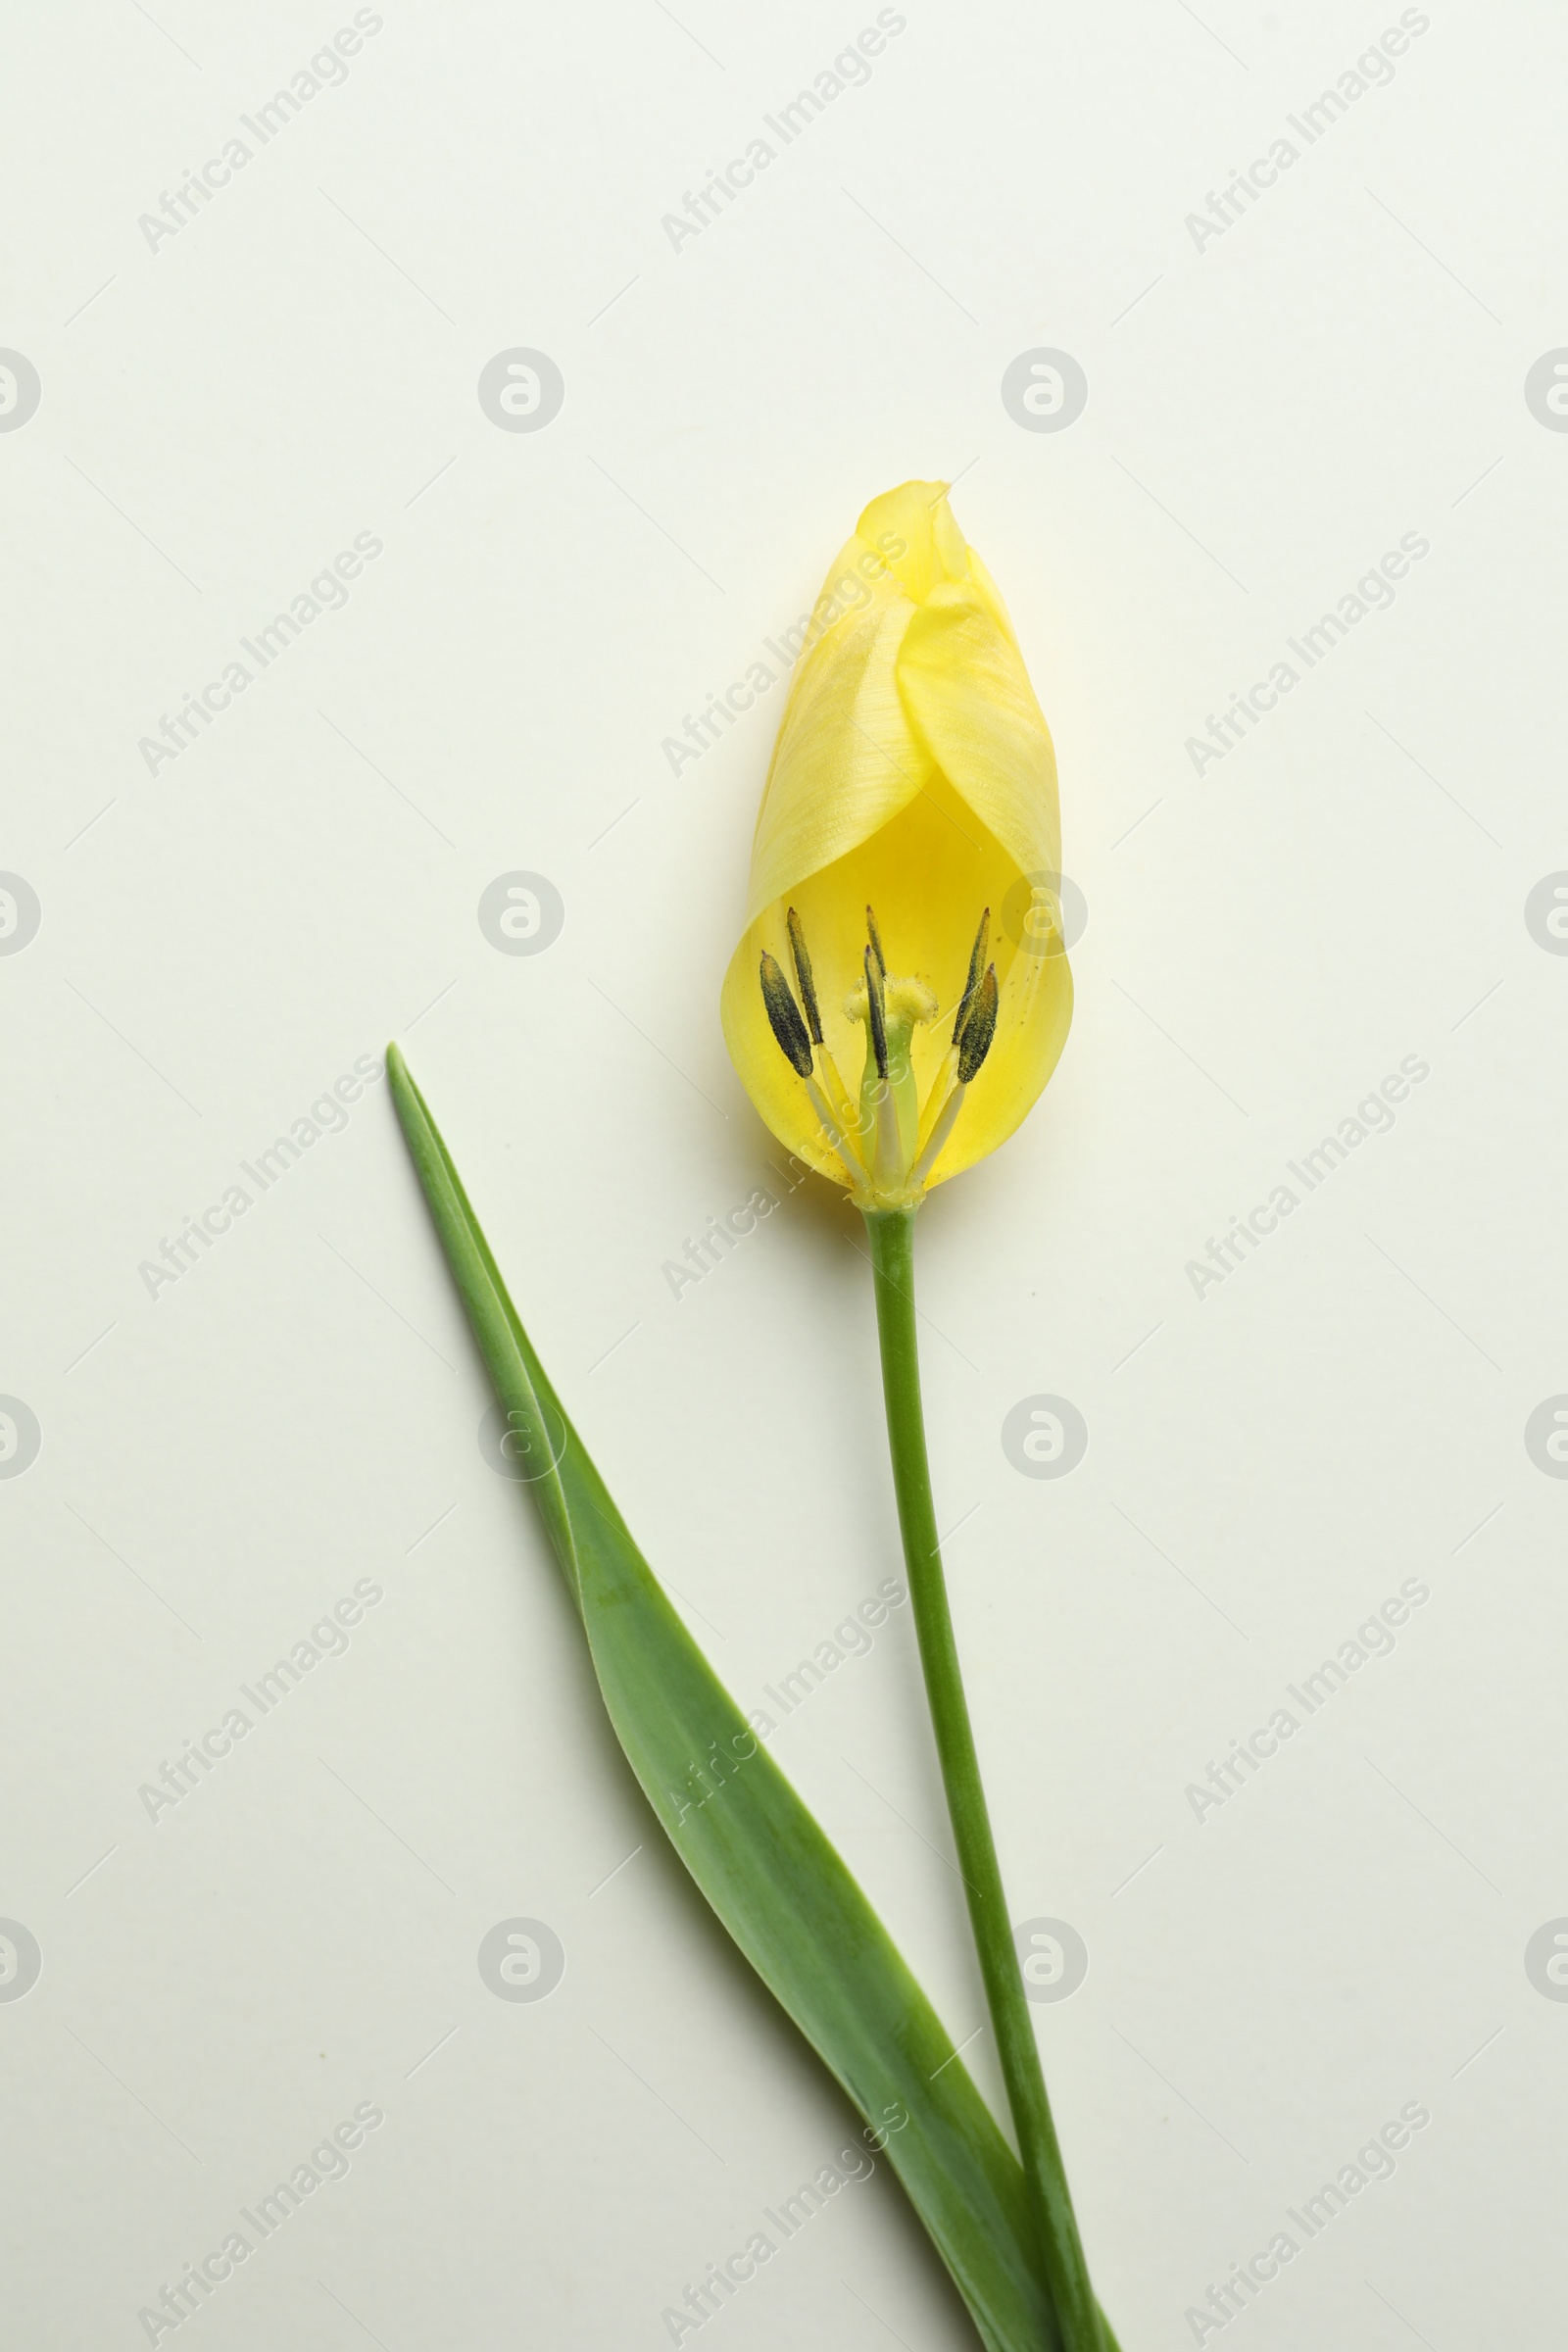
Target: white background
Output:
{"points": [[221, 414]]}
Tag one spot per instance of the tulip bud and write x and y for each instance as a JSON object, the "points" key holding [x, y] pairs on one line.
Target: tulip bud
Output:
{"points": [[913, 776]]}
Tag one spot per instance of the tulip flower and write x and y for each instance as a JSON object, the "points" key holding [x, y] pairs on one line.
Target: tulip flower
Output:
{"points": [[897, 1002], [900, 993], [896, 1005]]}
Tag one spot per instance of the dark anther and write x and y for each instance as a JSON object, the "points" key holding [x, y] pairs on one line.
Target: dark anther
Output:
{"points": [[977, 961], [802, 973], [784, 1018], [980, 1028], [880, 1028], [876, 942]]}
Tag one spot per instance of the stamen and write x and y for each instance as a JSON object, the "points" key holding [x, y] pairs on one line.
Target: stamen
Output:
{"points": [[977, 958], [972, 1035], [878, 1098], [936, 1103], [886, 1139], [838, 1094], [802, 973], [789, 1030], [940, 1132], [784, 1018], [874, 1011], [979, 1029], [833, 1134]]}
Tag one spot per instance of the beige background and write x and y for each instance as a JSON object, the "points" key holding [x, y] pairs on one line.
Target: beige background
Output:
{"points": [[223, 410]]}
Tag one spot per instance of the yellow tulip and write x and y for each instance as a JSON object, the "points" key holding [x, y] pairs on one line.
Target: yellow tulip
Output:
{"points": [[903, 911]]}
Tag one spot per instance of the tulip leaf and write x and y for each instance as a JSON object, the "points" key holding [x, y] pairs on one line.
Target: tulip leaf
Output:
{"points": [[757, 1853]]}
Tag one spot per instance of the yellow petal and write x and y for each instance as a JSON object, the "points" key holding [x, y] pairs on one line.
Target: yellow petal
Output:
{"points": [[991, 596], [928, 873], [914, 528], [969, 699], [846, 760], [1034, 1017]]}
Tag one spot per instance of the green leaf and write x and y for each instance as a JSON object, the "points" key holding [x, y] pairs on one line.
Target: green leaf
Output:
{"points": [[759, 1856]]}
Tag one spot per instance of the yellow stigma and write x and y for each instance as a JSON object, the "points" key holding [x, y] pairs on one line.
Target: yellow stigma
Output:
{"points": [[907, 1001]]}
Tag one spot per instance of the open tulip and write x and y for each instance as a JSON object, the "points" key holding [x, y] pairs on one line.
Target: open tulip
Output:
{"points": [[900, 993]]}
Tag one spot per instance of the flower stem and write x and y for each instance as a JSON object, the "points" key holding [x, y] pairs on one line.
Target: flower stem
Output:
{"points": [[890, 1233]]}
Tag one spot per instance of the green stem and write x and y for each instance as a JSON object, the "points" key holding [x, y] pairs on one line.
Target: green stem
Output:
{"points": [[892, 1237]]}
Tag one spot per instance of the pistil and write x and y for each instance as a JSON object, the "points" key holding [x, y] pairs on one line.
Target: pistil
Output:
{"points": [[892, 1008]]}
